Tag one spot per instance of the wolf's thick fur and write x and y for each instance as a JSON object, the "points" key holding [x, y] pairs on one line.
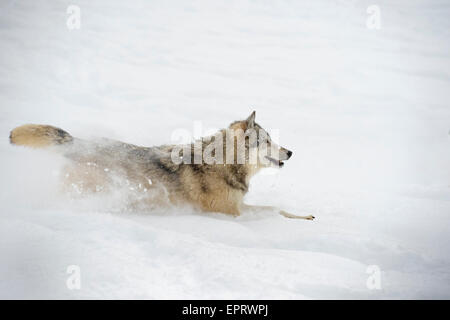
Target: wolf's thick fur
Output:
{"points": [[210, 187], [38, 136]]}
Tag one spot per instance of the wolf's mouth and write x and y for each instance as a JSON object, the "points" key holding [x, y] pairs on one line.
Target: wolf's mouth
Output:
{"points": [[276, 162]]}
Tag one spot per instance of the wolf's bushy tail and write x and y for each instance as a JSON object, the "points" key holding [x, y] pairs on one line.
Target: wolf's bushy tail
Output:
{"points": [[39, 136]]}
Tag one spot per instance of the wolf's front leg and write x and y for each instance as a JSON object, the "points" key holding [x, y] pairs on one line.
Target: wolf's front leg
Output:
{"points": [[293, 216], [251, 208]]}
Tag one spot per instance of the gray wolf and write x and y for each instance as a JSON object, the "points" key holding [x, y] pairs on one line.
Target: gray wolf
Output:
{"points": [[205, 183]]}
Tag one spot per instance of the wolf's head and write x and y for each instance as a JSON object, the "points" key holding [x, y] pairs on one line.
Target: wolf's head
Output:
{"points": [[254, 146]]}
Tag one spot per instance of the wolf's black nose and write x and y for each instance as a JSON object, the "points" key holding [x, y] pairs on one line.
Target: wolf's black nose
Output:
{"points": [[289, 154]]}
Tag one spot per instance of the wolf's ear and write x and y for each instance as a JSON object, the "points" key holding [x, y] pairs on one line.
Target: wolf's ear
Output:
{"points": [[251, 120]]}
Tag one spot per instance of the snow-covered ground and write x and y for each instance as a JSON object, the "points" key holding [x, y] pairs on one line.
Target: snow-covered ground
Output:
{"points": [[365, 111]]}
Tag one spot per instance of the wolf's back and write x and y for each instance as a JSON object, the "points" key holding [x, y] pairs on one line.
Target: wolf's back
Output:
{"points": [[39, 136]]}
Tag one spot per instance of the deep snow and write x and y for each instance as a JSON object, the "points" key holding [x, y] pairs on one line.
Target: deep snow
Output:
{"points": [[365, 111]]}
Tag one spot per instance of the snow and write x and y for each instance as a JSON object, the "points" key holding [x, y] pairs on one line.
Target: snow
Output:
{"points": [[365, 111]]}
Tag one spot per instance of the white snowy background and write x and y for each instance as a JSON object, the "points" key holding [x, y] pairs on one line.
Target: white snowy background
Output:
{"points": [[365, 111]]}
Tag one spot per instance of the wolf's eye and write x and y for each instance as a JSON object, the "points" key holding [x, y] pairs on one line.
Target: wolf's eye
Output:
{"points": [[265, 137], [262, 141]]}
